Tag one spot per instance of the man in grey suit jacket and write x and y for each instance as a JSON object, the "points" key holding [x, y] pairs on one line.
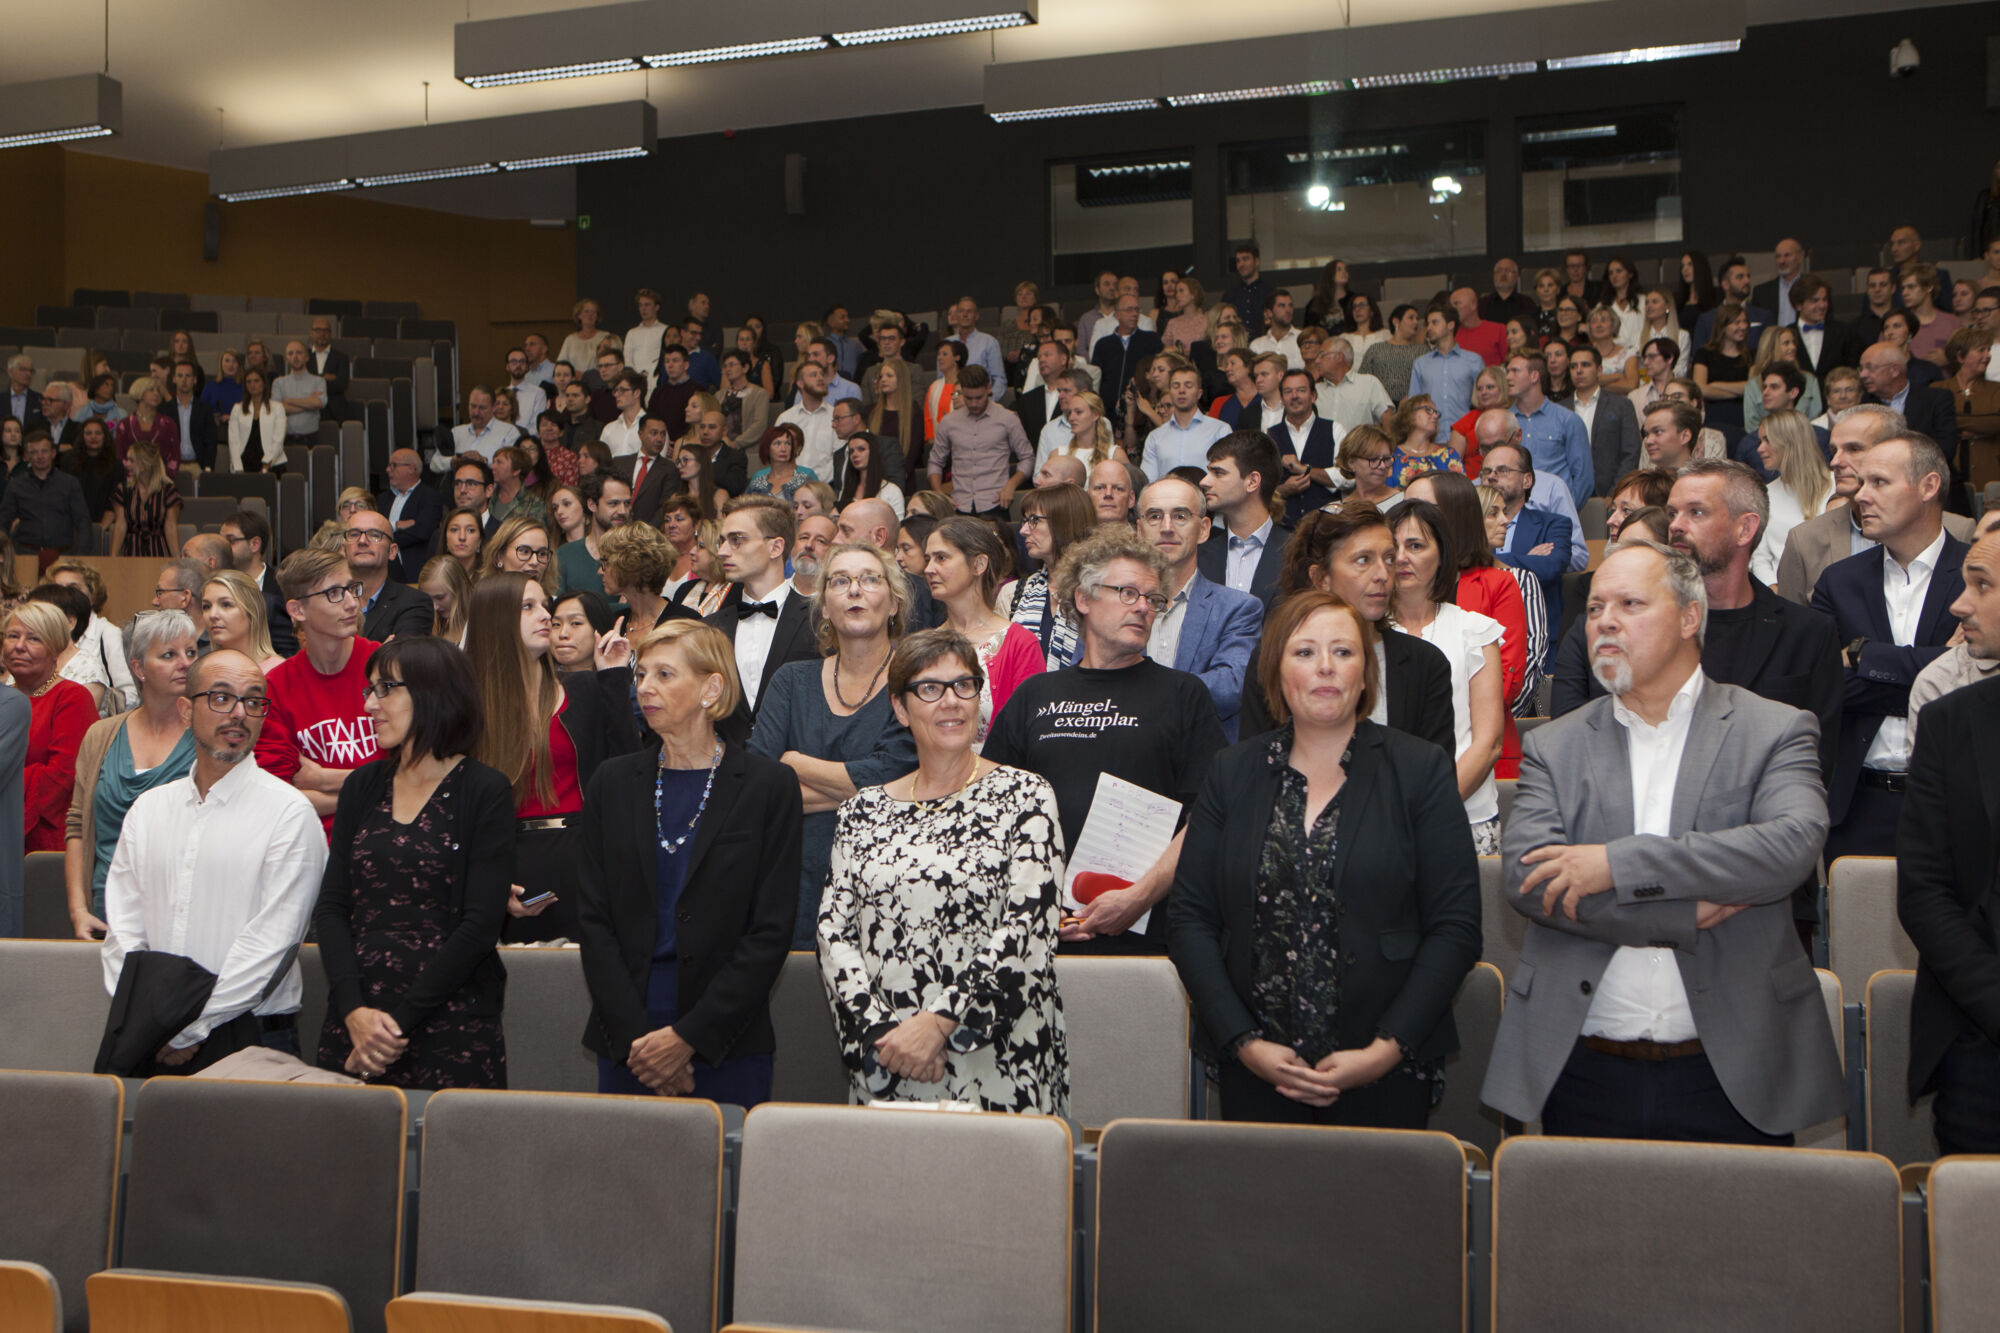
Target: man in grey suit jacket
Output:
{"points": [[1207, 630], [1613, 422], [1656, 837]]}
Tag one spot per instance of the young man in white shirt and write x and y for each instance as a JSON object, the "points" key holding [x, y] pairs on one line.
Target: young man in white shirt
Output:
{"points": [[643, 341], [529, 396], [222, 867], [766, 619], [1269, 372], [621, 434], [1279, 335]]}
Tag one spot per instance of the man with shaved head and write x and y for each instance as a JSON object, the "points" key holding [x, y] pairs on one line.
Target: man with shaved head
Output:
{"points": [[1477, 333], [211, 550], [221, 867], [1885, 373], [1063, 469], [874, 522]]}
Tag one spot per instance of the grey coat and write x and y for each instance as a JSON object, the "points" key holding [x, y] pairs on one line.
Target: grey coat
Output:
{"points": [[1749, 817]]}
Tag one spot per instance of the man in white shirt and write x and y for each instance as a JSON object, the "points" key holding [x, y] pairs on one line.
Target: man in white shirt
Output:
{"points": [[481, 435], [642, 340], [302, 394], [541, 369], [221, 867], [1268, 370], [528, 395], [1345, 396], [813, 415], [764, 618], [1279, 335], [1181, 440], [621, 433]]}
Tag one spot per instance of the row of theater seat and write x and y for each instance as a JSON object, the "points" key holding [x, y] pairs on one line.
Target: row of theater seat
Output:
{"points": [[837, 1218], [290, 305]]}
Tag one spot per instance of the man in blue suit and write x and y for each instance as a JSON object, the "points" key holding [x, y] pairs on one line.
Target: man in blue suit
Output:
{"points": [[1207, 630], [1119, 351], [1891, 607]]}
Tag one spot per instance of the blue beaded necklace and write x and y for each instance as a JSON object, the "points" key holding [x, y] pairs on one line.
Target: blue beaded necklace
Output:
{"points": [[660, 800]]}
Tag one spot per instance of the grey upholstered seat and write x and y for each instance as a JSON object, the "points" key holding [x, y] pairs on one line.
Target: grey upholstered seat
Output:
{"points": [[1964, 1218], [284, 1181], [611, 1200], [1594, 1234], [1476, 1012], [1274, 1227], [807, 1066], [1127, 1025], [1898, 1130], [1864, 935], [904, 1221], [60, 1175], [52, 992], [548, 1006]]}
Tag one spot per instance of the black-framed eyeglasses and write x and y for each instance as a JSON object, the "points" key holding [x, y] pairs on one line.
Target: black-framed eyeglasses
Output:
{"points": [[381, 689], [338, 593], [930, 691], [1033, 521], [1131, 596], [365, 535], [531, 555], [222, 701]]}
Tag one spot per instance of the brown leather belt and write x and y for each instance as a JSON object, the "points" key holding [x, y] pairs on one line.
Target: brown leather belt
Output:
{"points": [[1644, 1050]]}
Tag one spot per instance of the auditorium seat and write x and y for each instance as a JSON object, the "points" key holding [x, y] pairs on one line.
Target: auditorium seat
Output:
{"points": [[1505, 929], [127, 317], [546, 1011], [901, 1221], [279, 305], [1593, 1234], [207, 301], [332, 305], [29, 1299], [615, 1200], [1964, 1216], [133, 1300], [1831, 1135], [160, 301], [299, 325], [807, 1066], [47, 906], [440, 1312], [282, 1181], [392, 310], [1507, 787], [368, 326], [110, 296], [67, 338], [1476, 1013], [1896, 1129], [1592, 516], [1864, 935], [427, 330], [193, 321], [60, 1176], [404, 348], [246, 323], [52, 993], [1126, 1021], [66, 316], [1273, 1227]]}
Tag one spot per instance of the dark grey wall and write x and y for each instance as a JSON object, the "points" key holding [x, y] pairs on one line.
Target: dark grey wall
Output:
{"points": [[1801, 133]]}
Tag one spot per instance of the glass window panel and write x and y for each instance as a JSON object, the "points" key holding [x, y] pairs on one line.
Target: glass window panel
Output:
{"points": [[1134, 214], [1601, 179], [1362, 197]]}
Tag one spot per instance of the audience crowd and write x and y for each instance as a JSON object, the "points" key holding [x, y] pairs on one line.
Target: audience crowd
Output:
{"points": [[1200, 631]]}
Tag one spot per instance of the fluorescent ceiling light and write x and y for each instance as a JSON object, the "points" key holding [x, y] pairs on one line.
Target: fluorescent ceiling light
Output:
{"points": [[906, 32], [435, 174], [1646, 54], [284, 191], [77, 106], [1347, 154], [1446, 75], [583, 70], [1081, 109], [1310, 88], [742, 51], [1568, 136], [1135, 168], [572, 159], [54, 136]]}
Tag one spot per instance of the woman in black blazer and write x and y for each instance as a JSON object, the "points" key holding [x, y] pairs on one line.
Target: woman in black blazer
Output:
{"points": [[689, 886], [410, 907], [1327, 902]]}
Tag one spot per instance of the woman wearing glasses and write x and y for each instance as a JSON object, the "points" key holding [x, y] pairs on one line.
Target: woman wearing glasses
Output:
{"points": [[937, 940], [1414, 427], [520, 545], [546, 733], [830, 721], [415, 892]]}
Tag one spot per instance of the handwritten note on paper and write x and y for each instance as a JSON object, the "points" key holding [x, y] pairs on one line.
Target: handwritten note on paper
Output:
{"points": [[1127, 830]]}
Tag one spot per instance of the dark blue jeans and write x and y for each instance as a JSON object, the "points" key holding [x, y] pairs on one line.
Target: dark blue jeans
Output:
{"points": [[1602, 1096]]}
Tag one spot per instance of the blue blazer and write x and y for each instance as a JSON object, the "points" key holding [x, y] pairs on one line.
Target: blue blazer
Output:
{"points": [[1532, 528], [425, 510], [1851, 592], [1218, 641]]}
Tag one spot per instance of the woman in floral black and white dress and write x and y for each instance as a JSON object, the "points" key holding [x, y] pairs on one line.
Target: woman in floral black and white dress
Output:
{"points": [[937, 935]]}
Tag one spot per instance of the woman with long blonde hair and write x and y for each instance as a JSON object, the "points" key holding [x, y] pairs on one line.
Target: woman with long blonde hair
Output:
{"points": [[145, 508], [1090, 439], [1788, 447], [449, 587], [892, 413], [234, 616]]}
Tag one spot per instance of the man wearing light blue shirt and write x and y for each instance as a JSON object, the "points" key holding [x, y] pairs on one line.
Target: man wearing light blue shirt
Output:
{"points": [[1447, 371], [1181, 440], [1554, 435], [981, 349]]}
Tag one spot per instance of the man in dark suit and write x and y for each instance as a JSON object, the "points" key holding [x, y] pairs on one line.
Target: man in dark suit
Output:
{"points": [[1610, 418], [1734, 280], [414, 512], [1246, 551], [650, 472], [1948, 846], [388, 608], [1885, 373], [1780, 295], [766, 620], [330, 364], [1891, 607], [1119, 351], [1823, 342], [192, 417], [1038, 406]]}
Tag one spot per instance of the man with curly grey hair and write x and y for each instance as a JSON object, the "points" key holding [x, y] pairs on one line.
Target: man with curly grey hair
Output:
{"points": [[1117, 712]]}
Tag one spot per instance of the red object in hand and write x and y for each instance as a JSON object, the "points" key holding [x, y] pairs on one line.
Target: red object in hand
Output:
{"points": [[1091, 883]]}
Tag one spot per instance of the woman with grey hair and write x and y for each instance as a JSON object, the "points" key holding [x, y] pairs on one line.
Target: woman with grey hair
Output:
{"points": [[124, 756], [831, 721]]}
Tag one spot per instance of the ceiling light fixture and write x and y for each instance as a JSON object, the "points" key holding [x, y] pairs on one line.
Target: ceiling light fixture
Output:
{"points": [[1135, 168], [1309, 88], [547, 73], [908, 32], [1568, 136], [571, 159], [1081, 109], [714, 55], [1645, 55], [435, 174], [79, 106], [1346, 154], [1501, 71], [54, 136], [285, 191]]}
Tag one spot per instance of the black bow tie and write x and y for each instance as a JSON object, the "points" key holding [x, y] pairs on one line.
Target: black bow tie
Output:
{"points": [[745, 610]]}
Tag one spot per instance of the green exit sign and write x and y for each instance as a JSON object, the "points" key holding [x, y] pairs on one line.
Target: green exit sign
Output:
{"points": [[583, 222]]}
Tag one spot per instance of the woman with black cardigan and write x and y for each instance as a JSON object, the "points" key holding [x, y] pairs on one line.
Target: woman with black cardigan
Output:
{"points": [[689, 886], [1326, 907], [416, 890]]}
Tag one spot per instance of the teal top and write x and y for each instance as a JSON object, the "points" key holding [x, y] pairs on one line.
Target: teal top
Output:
{"points": [[118, 785]]}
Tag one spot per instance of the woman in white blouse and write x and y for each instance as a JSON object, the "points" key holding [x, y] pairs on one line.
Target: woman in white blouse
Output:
{"points": [[1425, 605], [260, 420], [1618, 366], [1787, 445]]}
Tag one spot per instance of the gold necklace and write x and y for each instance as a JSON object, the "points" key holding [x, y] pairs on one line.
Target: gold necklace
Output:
{"points": [[45, 687]]}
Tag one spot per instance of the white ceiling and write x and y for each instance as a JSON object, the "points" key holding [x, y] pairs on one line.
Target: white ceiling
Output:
{"points": [[281, 69]]}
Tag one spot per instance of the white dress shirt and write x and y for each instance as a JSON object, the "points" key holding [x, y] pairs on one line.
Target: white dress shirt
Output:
{"points": [[1904, 590], [1641, 996], [1269, 415], [817, 427], [621, 437], [642, 353], [1056, 438], [1812, 340], [1244, 555], [1287, 347], [228, 882], [469, 439], [528, 396], [1586, 411], [753, 641]]}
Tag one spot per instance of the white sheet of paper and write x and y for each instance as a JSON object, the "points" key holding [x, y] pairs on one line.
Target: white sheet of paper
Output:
{"points": [[1127, 830]]}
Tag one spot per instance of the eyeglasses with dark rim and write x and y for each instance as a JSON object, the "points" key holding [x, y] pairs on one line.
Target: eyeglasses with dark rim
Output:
{"points": [[382, 689], [1033, 521], [1131, 596], [365, 535], [222, 701], [930, 691], [338, 593], [531, 555]]}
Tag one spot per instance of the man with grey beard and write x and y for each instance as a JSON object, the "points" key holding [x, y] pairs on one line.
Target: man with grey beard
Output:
{"points": [[809, 548]]}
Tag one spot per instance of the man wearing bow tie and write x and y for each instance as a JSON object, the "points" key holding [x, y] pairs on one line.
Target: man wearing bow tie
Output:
{"points": [[769, 623], [1823, 343]]}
